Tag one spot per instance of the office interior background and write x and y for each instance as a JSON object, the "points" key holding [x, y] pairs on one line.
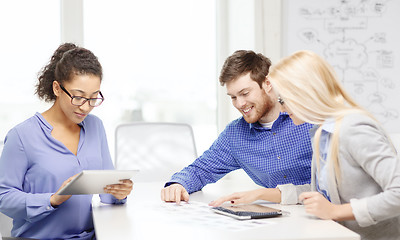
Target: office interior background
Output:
{"points": [[161, 59]]}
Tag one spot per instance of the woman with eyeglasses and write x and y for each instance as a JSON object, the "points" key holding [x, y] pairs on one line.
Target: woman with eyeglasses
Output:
{"points": [[43, 153], [355, 168]]}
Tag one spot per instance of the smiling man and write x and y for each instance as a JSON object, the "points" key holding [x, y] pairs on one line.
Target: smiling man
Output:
{"points": [[263, 142]]}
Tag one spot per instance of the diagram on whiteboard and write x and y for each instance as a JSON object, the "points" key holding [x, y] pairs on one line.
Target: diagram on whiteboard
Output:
{"points": [[360, 38]]}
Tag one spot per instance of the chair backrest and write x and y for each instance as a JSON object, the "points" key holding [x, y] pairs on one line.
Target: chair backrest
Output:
{"points": [[5, 221], [1, 147], [157, 149], [5, 225]]}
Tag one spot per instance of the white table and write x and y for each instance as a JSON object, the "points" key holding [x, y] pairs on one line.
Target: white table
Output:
{"points": [[144, 217]]}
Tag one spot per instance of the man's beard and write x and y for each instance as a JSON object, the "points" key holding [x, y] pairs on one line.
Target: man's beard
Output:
{"points": [[260, 111]]}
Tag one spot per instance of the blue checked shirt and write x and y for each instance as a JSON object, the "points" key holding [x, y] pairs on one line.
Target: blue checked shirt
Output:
{"points": [[279, 155]]}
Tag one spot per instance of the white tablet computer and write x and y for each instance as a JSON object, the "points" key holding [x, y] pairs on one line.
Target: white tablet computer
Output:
{"points": [[94, 181]]}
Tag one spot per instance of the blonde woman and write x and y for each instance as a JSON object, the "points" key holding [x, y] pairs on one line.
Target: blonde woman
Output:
{"points": [[355, 168]]}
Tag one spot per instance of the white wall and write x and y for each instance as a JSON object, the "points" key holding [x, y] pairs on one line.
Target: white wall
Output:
{"points": [[72, 24], [241, 24]]}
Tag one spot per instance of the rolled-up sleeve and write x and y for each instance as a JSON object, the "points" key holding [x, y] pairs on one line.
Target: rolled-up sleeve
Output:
{"points": [[290, 193], [361, 213]]}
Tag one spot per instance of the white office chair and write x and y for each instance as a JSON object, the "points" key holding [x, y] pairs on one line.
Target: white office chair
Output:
{"points": [[5, 225], [157, 149], [5, 221]]}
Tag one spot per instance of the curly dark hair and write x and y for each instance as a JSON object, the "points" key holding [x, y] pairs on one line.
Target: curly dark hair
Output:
{"points": [[243, 61], [68, 59]]}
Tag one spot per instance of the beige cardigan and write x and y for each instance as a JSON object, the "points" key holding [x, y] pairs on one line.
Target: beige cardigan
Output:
{"points": [[370, 179]]}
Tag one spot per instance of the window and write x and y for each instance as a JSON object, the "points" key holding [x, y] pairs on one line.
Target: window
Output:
{"points": [[159, 62], [29, 37]]}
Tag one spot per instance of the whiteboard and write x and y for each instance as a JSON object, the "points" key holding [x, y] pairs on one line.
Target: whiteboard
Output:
{"points": [[361, 39]]}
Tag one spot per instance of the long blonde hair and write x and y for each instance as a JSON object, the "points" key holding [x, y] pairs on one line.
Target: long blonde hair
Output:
{"points": [[312, 92]]}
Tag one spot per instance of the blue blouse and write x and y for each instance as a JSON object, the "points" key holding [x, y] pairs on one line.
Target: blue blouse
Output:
{"points": [[322, 176], [34, 165]]}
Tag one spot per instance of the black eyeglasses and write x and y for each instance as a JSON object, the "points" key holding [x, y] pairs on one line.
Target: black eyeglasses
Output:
{"points": [[79, 101], [280, 100]]}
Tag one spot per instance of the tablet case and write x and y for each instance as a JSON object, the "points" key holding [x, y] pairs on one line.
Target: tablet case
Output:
{"points": [[248, 211]]}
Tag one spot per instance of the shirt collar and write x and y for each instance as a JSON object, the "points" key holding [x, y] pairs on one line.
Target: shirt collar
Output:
{"points": [[43, 121], [328, 126], [48, 125], [257, 125]]}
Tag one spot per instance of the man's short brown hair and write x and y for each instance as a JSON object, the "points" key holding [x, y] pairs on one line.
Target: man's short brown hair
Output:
{"points": [[242, 62]]}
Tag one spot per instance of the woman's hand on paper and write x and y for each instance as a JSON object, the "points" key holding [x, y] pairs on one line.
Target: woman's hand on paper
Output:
{"points": [[268, 194], [236, 198], [316, 204]]}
